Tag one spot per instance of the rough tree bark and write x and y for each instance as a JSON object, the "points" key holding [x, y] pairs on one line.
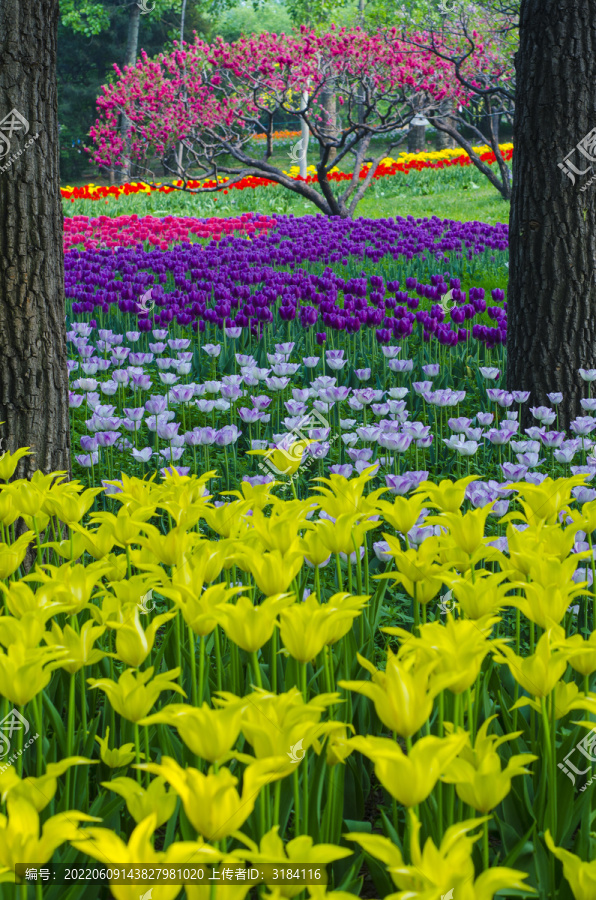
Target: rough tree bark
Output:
{"points": [[33, 370], [552, 274]]}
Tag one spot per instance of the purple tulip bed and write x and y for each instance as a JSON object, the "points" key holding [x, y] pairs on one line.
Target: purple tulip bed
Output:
{"points": [[378, 342]]}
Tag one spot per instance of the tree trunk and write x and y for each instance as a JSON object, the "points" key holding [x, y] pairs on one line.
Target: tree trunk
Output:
{"points": [[416, 138], [552, 286], [132, 43], [494, 121], [33, 372], [445, 141], [305, 134], [330, 127]]}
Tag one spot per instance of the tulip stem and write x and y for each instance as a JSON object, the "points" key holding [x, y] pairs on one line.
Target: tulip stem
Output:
{"points": [[218, 657], [193, 665], [137, 751], [147, 753], [340, 582], [201, 668], [296, 803], [178, 643], [485, 847], [255, 664], [273, 672], [69, 734]]}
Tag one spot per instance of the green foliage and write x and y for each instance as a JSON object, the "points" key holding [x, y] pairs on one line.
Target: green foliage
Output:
{"points": [[244, 19]]}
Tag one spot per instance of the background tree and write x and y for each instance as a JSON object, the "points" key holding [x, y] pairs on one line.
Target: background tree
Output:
{"points": [[33, 371], [240, 88], [479, 45], [552, 235], [95, 34]]}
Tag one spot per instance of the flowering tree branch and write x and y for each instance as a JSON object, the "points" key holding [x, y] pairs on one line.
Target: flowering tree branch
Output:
{"points": [[213, 98]]}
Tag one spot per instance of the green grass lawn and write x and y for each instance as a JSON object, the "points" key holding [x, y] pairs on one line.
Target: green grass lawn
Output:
{"points": [[459, 193]]}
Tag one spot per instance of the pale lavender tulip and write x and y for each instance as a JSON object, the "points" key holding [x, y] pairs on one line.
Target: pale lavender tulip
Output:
{"points": [[583, 425], [401, 365], [485, 419], [87, 460]]}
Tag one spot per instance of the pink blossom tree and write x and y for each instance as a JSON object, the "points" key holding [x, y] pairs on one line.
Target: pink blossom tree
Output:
{"points": [[478, 44], [213, 98]]}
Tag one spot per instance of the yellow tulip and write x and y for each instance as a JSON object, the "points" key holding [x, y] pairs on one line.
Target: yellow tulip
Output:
{"points": [[338, 748], [345, 496], [25, 671], [403, 513], [546, 605], [71, 584], [70, 508], [466, 531], [135, 692], [258, 495], [9, 462], [12, 555], [410, 778], [528, 544], [208, 733], [403, 694], [125, 527], [477, 774], [117, 758], [142, 802], [315, 552], [110, 850], [539, 673], [274, 571], [345, 535], [580, 875], [567, 697], [284, 461], [418, 570], [276, 724], [543, 502], [8, 512], [20, 837], [39, 791], [582, 662], [436, 871], [249, 625], [342, 610], [447, 496], [228, 520], [479, 598], [22, 601], [279, 530], [78, 645], [28, 630], [98, 541], [306, 627], [133, 642], [211, 802], [169, 547], [199, 609], [69, 549], [457, 648], [301, 850]]}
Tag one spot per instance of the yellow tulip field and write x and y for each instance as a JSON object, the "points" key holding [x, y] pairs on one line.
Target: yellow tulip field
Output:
{"points": [[190, 685]]}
